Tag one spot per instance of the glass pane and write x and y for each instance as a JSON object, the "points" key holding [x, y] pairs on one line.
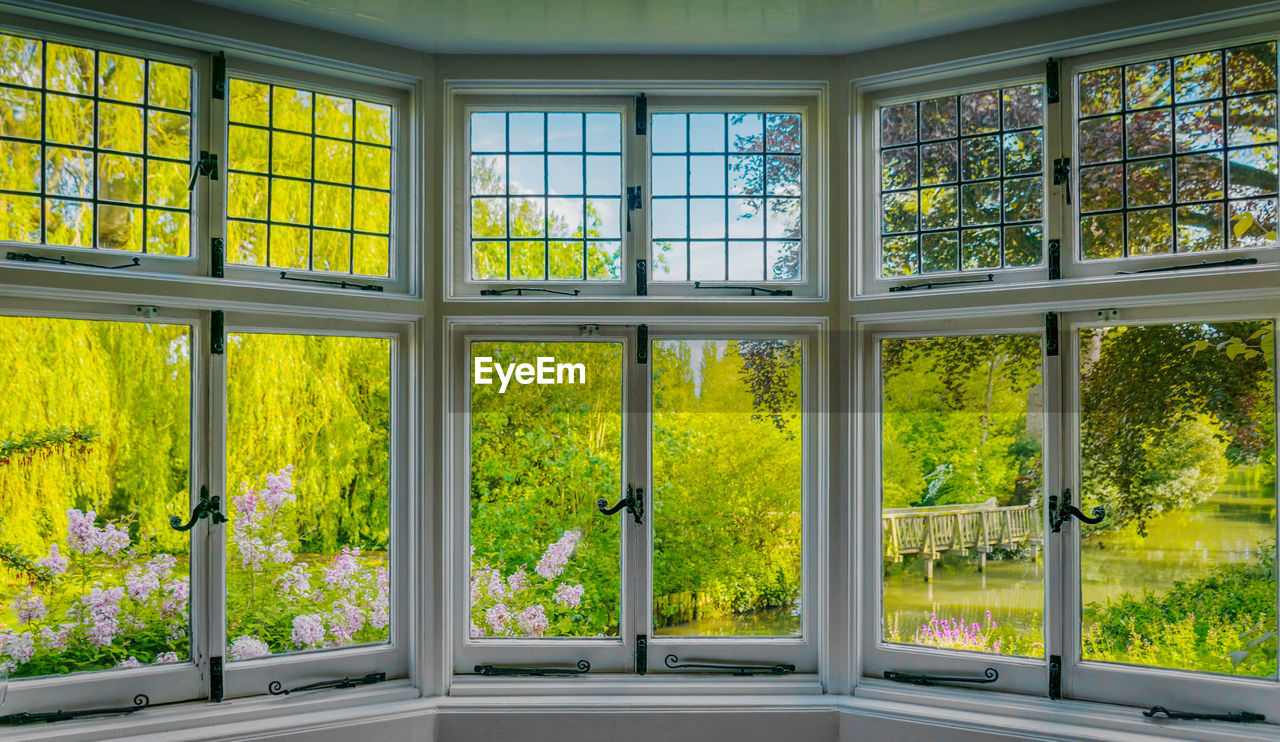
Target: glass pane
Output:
{"points": [[546, 444], [299, 135], [94, 578], [1177, 440], [727, 487], [1178, 106], [961, 491], [309, 531], [741, 168]]}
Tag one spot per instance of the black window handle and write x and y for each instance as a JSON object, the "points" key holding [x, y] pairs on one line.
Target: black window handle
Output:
{"points": [[208, 507], [1060, 509], [633, 502]]}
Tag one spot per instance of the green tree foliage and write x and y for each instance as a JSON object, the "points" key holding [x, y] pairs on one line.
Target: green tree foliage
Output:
{"points": [[961, 420]]}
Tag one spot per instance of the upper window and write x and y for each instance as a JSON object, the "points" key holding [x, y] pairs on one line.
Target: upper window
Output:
{"points": [[1178, 154], [727, 196], [962, 182], [546, 196], [309, 180], [95, 148]]}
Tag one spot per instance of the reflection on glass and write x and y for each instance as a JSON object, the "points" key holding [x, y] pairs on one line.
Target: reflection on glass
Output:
{"points": [[308, 479], [1177, 442], [727, 484], [544, 561], [94, 459], [961, 492], [719, 176]]}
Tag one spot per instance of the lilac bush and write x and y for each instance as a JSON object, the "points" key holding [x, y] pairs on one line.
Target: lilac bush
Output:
{"points": [[525, 604]]}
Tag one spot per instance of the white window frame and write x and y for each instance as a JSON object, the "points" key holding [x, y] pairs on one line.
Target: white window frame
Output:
{"points": [[196, 262], [875, 94], [1027, 675], [1073, 266], [611, 659], [402, 261], [810, 100]]}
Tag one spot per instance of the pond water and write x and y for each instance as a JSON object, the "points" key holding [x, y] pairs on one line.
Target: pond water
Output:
{"points": [[782, 621], [1180, 545]]}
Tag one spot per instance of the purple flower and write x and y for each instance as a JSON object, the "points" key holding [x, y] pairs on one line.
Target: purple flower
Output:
{"points": [[346, 621], [131, 662], [55, 562], [295, 583], [497, 617], [141, 582], [29, 608], [518, 581], [342, 569], [166, 658], [19, 647], [246, 647], [55, 639], [379, 611], [569, 596], [308, 630], [552, 563], [85, 537], [532, 621]]}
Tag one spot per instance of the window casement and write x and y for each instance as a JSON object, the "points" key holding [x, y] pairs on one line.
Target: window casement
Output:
{"points": [[982, 433], [695, 561], [616, 195], [106, 597], [98, 136], [317, 185]]}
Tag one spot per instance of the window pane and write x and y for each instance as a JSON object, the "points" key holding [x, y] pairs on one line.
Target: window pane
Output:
{"points": [[745, 175], [56, 105], [537, 169], [1145, 126], [308, 478], [303, 137], [728, 468], [986, 157], [95, 456], [546, 444], [961, 492], [1177, 442]]}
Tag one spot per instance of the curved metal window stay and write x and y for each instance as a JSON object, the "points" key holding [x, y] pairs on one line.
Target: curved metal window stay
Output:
{"points": [[497, 671], [284, 276], [519, 291], [990, 277], [780, 668], [989, 675], [275, 687], [1156, 712], [62, 260], [753, 289], [1193, 266], [140, 702]]}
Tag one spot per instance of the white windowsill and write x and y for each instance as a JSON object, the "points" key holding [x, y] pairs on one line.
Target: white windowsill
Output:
{"points": [[1039, 718]]}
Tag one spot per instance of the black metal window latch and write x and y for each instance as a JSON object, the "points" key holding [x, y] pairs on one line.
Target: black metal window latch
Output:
{"points": [[1062, 174], [635, 202], [208, 507], [140, 702], [537, 672], [276, 689], [27, 257], [206, 165], [633, 502], [780, 668], [1060, 509], [989, 675], [1240, 717]]}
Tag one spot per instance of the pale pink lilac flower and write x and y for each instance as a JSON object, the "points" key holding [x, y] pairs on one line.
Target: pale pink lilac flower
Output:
{"points": [[55, 639], [497, 618], [55, 562], [308, 630], [131, 662], [29, 608], [569, 595], [103, 606], [19, 647], [379, 611], [166, 658], [175, 603], [247, 647], [552, 563], [113, 539], [160, 564], [279, 488], [518, 581], [347, 619], [82, 535], [294, 583], [496, 587], [476, 631], [532, 621], [341, 571], [141, 582]]}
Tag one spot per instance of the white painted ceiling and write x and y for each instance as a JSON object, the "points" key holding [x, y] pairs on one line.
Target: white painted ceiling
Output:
{"points": [[649, 26]]}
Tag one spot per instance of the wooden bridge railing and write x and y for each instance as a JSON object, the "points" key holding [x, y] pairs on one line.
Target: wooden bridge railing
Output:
{"points": [[982, 527]]}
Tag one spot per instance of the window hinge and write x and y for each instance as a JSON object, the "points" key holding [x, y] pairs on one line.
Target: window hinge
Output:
{"points": [[642, 115], [275, 687], [218, 257], [642, 278], [215, 680], [642, 344], [780, 668], [217, 333], [284, 276], [537, 672], [1051, 334], [1055, 260], [1051, 82], [989, 675], [642, 654], [1055, 677], [140, 702], [1062, 174], [1240, 717], [206, 165], [635, 200], [61, 260], [219, 76]]}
